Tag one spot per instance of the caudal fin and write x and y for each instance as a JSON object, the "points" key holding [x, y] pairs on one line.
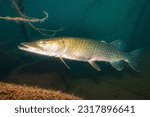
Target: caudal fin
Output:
{"points": [[133, 59]]}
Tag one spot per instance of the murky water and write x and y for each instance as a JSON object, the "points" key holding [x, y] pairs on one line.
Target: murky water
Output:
{"points": [[106, 20]]}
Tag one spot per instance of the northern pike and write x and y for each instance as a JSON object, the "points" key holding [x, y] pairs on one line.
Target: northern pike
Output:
{"points": [[82, 49]]}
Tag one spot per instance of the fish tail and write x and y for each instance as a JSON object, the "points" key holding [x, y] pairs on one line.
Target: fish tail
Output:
{"points": [[133, 59]]}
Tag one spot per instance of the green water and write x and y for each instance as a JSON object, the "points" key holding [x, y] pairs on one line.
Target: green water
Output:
{"points": [[128, 20]]}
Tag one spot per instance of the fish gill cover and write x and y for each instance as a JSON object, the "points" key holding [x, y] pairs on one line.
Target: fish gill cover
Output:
{"points": [[100, 20]]}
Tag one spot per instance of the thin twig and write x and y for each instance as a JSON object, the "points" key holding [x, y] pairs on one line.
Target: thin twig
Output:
{"points": [[41, 31], [24, 19]]}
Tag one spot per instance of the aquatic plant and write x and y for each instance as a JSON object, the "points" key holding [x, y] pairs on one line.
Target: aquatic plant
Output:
{"points": [[15, 92]]}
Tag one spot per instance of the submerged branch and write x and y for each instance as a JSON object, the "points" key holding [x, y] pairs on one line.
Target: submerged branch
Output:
{"points": [[29, 20], [45, 32], [25, 18], [23, 26]]}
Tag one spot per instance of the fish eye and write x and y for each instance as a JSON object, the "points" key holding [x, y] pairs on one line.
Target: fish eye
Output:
{"points": [[42, 43]]}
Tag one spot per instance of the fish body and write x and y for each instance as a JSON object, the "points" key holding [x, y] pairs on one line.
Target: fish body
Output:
{"points": [[90, 50], [82, 49]]}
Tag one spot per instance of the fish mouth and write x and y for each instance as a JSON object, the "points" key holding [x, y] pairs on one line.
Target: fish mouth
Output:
{"points": [[30, 47], [25, 46]]}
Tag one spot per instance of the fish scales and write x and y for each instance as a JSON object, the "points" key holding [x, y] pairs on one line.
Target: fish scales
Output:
{"points": [[82, 49]]}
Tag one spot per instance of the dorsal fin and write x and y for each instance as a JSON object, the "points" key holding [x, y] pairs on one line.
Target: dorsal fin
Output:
{"points": [[120, 44], [64, 62]]}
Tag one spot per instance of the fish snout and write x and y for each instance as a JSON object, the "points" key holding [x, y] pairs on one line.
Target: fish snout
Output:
{"points": [[24, 46]]}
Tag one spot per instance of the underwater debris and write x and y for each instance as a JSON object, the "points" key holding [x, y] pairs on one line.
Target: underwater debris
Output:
{"points": [[23, 26], [25, 19], [18, 92], [45, 32]]}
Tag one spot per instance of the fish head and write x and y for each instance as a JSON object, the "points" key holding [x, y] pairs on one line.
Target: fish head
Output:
{"points": [[43, 47]]}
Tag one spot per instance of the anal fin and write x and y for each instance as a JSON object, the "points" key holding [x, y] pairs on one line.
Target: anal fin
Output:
{"points": [[64, 62], [118, 65], [94, 65]]}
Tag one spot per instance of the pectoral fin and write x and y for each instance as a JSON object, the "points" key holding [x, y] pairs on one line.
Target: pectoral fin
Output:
{"points": [[94, 65], [64, 62]]}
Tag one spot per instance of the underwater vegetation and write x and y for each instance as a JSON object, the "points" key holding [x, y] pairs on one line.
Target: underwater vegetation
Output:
{"points": [[13, 92], [30, 76]]}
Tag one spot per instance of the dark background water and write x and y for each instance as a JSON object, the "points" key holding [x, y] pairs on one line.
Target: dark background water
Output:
{"points": [[106, 20]]}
